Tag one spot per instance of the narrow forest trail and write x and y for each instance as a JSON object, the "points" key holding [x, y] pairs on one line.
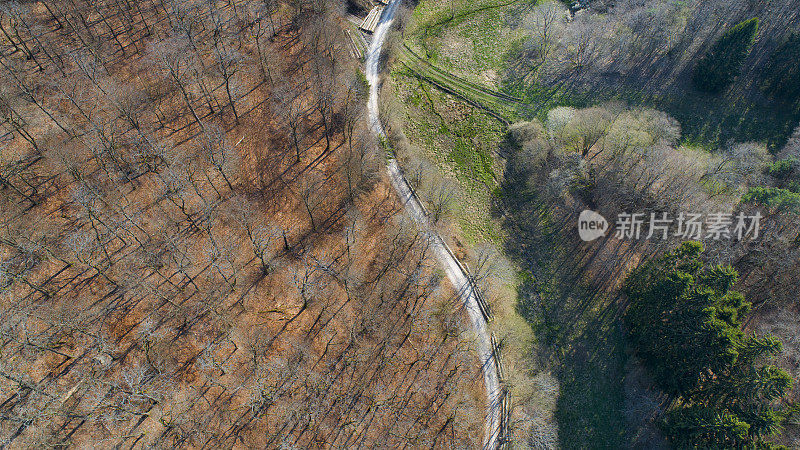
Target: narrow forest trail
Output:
{"points": [[454, 270]]}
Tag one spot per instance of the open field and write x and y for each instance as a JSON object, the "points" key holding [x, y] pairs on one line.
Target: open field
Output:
{"points": [[460, 140]]}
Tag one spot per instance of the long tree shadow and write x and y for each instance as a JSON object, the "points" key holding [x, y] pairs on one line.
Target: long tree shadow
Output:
{"points": [[576, 324], [741, 114]]}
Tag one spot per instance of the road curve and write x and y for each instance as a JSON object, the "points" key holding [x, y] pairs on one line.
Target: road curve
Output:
{"points": [[455, 272]]}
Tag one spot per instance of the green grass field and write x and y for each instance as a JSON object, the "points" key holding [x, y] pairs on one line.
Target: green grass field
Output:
{"points": [[469, 39], [464, 46], [460, 140]]}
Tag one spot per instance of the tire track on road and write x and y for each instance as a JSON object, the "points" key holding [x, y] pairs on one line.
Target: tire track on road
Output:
{"points": [[456, 273]]}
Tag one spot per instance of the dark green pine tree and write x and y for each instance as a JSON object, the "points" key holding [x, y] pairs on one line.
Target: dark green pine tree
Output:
{"points": [[720, 66], [685, 323]]}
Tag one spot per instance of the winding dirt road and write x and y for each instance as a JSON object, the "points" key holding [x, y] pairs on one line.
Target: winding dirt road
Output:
{"points": [[455, 272]]}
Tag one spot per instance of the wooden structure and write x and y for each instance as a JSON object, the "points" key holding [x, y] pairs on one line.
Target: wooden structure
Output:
{"points": [[355, 50], [371, 21]]}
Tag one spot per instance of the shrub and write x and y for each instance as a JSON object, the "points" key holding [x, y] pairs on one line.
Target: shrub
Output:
{"points": [[783, 169], [720, 66], [774, 198]]}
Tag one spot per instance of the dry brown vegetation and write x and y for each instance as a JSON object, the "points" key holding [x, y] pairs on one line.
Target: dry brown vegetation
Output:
{"points": [[196, 246]]}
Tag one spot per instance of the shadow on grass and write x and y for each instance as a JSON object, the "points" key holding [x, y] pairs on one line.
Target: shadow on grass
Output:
{"points": [[712, 120], [576, 326], [706, 120]]}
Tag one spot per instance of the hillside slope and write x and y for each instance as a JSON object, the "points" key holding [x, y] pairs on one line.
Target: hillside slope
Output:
{"points": [[197, 247]]}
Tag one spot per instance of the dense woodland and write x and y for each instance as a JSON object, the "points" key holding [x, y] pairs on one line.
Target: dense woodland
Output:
{"points": [[615, 159], [685, 323], [654, 53], [659, 107], [197, 247]]}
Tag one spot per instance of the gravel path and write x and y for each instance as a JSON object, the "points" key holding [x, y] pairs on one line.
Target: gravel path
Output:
{"points": [[455, 272]]}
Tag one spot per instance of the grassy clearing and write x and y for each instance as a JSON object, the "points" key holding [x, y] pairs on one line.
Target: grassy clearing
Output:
{"points": [[501, 106], [577, 338], [460, 140], [467, 38]]}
